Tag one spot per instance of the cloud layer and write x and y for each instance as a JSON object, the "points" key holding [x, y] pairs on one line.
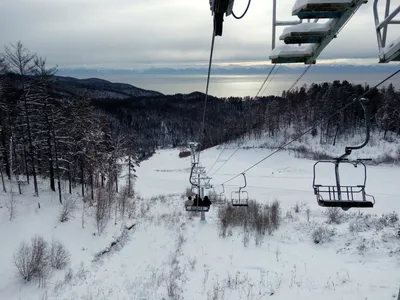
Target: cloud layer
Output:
{"points": [[159, 33]]}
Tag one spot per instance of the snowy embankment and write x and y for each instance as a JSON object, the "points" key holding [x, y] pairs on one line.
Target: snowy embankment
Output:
{"points": [[171, 254], [379, 148]]}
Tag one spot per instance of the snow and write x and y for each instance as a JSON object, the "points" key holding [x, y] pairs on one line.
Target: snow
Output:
{"points": [[300, 4], [307, 28], [293, 51], [170, 248]]}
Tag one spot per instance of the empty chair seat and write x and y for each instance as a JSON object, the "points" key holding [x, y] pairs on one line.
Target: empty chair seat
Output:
{"points": [[306, 33], [346, 197], [240, 198], [346, 204], [292, 53], [319, 9], [392, 52]]}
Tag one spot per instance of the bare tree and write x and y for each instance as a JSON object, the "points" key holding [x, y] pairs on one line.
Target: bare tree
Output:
{"points": [[20, 61], [11, 205], [103, 210]]}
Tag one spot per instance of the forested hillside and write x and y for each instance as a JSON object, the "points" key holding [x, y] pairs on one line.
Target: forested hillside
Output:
{"points": [[43, 133], [62, 128], [173, 120]]}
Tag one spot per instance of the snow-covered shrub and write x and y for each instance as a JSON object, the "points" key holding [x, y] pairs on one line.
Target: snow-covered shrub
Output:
{"points": [[32, 261], [68, 276], [297, 207], [68, 207], [59, 256], [123, 199], [257, 218], [361, 222], [334, 215], [103, 210], [275, 214], [389, 220], [322, 234]]}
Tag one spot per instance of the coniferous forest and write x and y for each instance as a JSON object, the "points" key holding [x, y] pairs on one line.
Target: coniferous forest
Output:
{"points": [[80, 138]]}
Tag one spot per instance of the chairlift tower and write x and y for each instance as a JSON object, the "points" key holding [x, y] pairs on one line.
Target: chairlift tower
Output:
{"points": [[304, 42]]}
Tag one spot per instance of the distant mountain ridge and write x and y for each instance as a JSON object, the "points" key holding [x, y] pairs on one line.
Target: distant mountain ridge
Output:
{"points": [[231, 70], [99, 88]]}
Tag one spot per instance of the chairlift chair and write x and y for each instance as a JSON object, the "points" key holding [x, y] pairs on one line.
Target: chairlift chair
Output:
{"points": [[195, 208], [219, 198], [292, 54], [328, 9], [345, 196], [304, 42], [240, 198], [306, 33]]}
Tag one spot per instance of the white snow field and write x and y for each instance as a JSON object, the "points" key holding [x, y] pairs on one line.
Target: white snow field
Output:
{"points": [[172, 254]]}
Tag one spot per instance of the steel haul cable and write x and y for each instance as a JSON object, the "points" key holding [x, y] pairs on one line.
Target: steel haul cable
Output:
{"points": [[201, 133]]}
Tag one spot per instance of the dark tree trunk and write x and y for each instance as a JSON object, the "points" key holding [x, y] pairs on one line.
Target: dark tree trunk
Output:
{"points": [[31, 149], [82, 179], [91, 185], [5, 155], [51, 167], [69, 178], [26, 165]]}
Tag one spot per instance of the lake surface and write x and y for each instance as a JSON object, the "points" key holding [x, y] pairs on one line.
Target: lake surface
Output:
{"points": [[239, 85]]}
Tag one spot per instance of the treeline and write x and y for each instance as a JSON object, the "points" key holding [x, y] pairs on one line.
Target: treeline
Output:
{"points": [[326, 103], [52, 136], [171, 121]]}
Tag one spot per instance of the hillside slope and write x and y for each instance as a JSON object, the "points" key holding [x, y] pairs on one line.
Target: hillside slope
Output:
{"points": [[99, 88], [171, 254]]}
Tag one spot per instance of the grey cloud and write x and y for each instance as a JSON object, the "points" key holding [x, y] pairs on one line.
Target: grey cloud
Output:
{"points": [[143, 33]]}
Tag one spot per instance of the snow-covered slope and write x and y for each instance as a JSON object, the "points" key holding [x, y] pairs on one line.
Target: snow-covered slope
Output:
{"points": [[171, 254]]}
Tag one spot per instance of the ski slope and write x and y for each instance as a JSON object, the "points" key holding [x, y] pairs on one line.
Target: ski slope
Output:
{"points": [[171, 254]]}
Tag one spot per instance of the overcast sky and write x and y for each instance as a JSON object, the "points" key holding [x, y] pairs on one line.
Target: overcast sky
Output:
{"points": [[153, 33]]}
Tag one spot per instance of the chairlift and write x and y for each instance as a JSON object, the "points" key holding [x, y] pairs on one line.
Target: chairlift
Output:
{"points": [[193, 146], [240, 198], [327, 9], [306, 33], [292, 54], [311, 38], [345, 196], [206, 180], [219, 198], [195, 208]]}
